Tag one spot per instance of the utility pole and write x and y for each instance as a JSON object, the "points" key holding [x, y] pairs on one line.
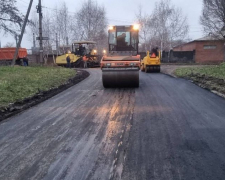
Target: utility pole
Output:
{"points": [[39, 10], [57, 44], [67, 41], [34, 44], [21, 36]]}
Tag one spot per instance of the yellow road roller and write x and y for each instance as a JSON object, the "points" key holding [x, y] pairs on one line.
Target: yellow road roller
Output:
{"points": [[151, 62], [121, 64], [79, 50]]}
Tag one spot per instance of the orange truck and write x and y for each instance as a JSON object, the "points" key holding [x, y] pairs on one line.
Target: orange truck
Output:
{"points": [[7, 54]]}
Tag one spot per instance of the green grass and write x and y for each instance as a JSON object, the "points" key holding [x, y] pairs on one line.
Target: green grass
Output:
{"points": [[17, 83], [211, 71]]}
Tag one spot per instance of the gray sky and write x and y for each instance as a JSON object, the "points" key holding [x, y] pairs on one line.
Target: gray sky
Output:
{"points": [[119, 12]]}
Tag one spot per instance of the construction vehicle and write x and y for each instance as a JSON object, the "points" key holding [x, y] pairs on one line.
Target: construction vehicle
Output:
{"points": [[151, 62], [76, 56], [7, 55], [120, 66]]}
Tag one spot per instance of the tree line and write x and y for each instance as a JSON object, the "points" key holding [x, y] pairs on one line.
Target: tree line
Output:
{"points": [[64, 27], [165, 26]]}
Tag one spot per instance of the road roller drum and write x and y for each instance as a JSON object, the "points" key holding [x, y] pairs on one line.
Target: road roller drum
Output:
{"points": [[120, 78]]}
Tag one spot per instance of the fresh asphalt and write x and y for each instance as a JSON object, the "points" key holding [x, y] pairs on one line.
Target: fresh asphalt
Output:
{"points": [[166, 129]]}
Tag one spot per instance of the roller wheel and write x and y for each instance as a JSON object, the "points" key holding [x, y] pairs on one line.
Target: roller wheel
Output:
{"points": [[106, 85], [142, 68], [146, 69], [159, 69]]}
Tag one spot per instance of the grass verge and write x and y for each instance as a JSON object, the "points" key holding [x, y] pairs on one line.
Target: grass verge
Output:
{"points": [[210, 71], [18, 83]]}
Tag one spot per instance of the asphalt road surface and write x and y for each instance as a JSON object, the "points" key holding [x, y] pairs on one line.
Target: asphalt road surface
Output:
{"points": [[167, 129]]}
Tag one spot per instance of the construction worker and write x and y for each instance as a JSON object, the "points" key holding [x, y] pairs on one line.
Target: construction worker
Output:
{"points": [[68, 65], [81, 50], [25, 61], [121, 41], [154, 52], [85, 61], [157, 51]]}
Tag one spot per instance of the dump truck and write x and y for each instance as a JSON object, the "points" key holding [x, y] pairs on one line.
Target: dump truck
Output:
{"points": [[121, 64], [7, 55], [151, 62], [77, 54]]}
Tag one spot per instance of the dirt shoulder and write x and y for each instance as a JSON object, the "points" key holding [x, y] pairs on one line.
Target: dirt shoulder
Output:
{"points": [[41, 96]]}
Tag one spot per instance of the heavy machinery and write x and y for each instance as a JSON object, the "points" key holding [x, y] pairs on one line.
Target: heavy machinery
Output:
{"points": [[7, 54], [151, 62], [88, 50], [120, 66]]}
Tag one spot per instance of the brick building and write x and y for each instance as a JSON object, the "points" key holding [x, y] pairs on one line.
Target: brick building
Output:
{"points": [[207, 49]]}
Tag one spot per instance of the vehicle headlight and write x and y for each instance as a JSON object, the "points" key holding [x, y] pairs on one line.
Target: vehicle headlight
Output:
{"points": [[104, 51], [136, 26], [95, 51], [110, 28], [132, 64], [108, 64]]}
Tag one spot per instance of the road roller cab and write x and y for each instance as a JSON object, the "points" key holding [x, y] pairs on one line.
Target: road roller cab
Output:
{"points": [[120, 66]]}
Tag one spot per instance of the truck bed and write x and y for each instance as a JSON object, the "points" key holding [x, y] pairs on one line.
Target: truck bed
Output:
{"points": [[8, 53]]}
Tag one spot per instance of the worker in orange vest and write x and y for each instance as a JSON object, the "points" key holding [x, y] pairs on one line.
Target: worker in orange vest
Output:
{"points": [[85, 59]]}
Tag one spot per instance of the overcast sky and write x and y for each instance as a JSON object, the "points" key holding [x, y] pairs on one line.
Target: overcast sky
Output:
{"points": [[119, 12]]}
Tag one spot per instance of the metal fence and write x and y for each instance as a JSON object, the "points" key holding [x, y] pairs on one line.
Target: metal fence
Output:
{"points": [[178, 57]]}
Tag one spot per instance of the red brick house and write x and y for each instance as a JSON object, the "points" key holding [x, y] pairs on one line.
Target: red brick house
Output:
{"points": [[207, 49]]}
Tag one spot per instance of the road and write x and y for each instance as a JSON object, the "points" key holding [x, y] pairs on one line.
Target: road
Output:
{"points": [[167, 129]]}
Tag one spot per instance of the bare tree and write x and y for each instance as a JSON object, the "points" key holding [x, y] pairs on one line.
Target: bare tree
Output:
{"points": [[10, 18], [169, 23], [9, 44], [91, 20], [55, 21], [89, 23], [46, 30], [62, 23], [164, 26], [213, 16], [144, 20]]}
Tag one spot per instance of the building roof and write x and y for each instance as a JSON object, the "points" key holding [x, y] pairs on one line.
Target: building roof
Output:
{"points": [[205, 38], [84, 42], [210, 38]]}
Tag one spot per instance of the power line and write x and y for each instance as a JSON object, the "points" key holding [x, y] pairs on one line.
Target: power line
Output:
{"points": [[53, 9]]}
